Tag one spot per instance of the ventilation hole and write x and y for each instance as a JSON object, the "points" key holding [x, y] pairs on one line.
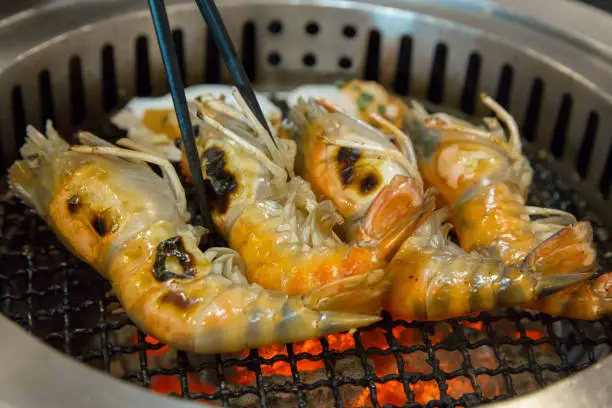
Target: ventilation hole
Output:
{"points": [[19, 119], [46, 96], [109, 78], [349, 31], [605, 181], [312, 28], [588, 141], [401, 85], [275, 27], [143, 72], [179, 46], [345, 62], [78, 110], [213, 60], [532, 114], [309, 59], [468, 97], [274, 58], [373, 56], [557, 144], [249, 52], [504, 86], [438, 69]]}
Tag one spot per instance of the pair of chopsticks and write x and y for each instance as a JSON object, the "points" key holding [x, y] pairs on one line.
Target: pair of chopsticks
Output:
{"points": [[209, 11]]}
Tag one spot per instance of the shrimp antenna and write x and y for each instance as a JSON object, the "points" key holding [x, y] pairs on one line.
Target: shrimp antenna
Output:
{"points": [[213, 103], [167, 169], [514, 137], [267, 137], [410, 154], [457, 127], [134, 145]]}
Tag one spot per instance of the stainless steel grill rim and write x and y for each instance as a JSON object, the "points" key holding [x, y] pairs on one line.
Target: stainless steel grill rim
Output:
{"points": [[555, 78]]}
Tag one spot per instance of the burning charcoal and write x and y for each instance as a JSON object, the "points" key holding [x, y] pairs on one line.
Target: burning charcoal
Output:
{"points": [[491, 386], [350, 367]]}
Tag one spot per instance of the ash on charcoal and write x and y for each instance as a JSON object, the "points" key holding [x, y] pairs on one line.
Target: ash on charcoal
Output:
{"points": [[483, 357], [415, 363], [246, 401], [349, 367], [450, 360], [321, 396], [348, 395]]}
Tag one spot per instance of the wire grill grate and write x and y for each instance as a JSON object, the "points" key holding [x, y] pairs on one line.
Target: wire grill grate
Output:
{"points": [[460, 362]]}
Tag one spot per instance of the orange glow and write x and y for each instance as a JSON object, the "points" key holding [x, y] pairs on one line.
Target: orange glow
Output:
{"points": [[165, 384], [153, 341], [473, 325], [392, 392], [532, 334], [374, 339], [170, 384], [425, 391], [340, 342]]}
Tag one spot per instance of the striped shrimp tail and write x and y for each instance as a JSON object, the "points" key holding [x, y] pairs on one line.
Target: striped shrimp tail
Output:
{"points": [[563, 259]]}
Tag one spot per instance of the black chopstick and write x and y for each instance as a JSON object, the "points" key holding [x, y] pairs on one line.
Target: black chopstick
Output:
{"points": [[224, 43], [177, 89]]}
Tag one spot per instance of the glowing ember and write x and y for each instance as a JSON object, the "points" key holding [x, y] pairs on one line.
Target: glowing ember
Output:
{"points": [[152, 341], [170, 384], [532, 334], [382, 361], [425, 391], [391, 392]]}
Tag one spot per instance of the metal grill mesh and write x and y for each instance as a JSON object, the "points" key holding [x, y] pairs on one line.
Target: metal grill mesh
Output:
{"points": [[462, 362]]}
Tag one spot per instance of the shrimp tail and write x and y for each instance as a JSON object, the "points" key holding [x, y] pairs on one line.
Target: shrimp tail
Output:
{"points": [[273, 318], [590, 300], [22, 176], [566, 255]]}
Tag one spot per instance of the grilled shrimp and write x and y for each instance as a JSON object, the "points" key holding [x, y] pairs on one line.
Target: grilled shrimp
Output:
{"points": [[273, 220], [484, 175], [374, 185], [362, 99], [152, 126], [434, 279], [112, 211]]}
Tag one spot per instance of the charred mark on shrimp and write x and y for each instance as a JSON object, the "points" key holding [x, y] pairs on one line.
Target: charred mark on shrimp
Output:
{"points": [[172, 248], [347, 157], [74, 202], [223, 182], [368, 183]]}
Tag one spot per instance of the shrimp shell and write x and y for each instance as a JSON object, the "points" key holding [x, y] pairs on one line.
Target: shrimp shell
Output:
{"points": [[273, 220], [374, 185], [112, 211], [435, 279]]}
